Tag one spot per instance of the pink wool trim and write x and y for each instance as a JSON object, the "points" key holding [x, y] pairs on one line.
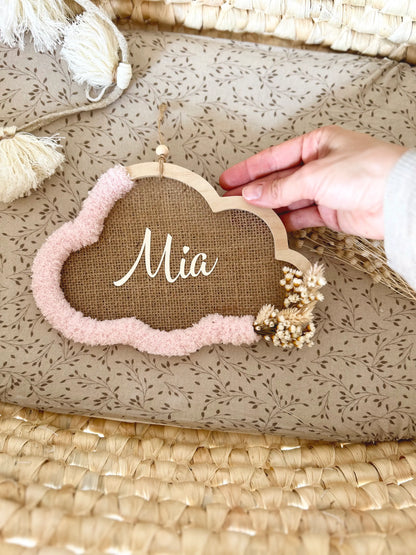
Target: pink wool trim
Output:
{"points": [[85, 230]]}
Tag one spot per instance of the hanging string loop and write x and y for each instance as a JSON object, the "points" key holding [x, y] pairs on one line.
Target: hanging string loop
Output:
{"points": [[162, 151]]}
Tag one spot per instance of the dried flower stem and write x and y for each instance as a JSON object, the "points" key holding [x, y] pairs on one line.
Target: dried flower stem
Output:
{"points": [[366, 255], [293, 325]]}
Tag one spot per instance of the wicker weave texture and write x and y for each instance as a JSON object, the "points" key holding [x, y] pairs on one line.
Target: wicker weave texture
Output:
{"points": [[372, 27], [71, 484]]}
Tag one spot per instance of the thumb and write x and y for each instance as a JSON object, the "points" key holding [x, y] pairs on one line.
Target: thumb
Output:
{"points": [[275, 192]]}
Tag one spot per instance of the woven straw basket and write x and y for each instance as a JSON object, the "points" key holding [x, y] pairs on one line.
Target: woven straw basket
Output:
{"points": [[372, 27], [77, 485], [70, 484]]}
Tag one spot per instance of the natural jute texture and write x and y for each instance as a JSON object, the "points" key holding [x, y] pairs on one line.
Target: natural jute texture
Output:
{"points": [[245, 277], [72, 484], [372, 27]]}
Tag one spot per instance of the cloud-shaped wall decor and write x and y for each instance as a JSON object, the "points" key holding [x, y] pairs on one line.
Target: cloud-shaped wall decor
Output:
{"points": [[162, 263]]}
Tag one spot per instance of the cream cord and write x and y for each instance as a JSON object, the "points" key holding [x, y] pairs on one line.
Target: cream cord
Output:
{"points": [[49, 118], [123, 77]]}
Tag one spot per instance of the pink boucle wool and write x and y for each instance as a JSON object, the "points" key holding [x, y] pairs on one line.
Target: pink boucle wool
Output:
{"points": [[85, 230]]}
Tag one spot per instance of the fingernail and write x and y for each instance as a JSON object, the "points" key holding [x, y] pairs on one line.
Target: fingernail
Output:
{"points": [[252, 192]]}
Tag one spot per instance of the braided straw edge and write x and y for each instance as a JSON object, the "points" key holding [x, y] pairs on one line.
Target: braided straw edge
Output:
{"points": [[374, 27], [105, 486]]}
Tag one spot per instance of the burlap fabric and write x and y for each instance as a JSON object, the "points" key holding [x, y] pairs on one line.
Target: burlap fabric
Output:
{"points": [[245, 278]]}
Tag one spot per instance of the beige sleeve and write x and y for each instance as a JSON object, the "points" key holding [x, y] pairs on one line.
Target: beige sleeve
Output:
{"points": [[400, 217]]}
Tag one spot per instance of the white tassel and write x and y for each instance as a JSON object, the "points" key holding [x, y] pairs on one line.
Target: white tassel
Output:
{"points": [[44, 19], [91, 51], [25, 161]]}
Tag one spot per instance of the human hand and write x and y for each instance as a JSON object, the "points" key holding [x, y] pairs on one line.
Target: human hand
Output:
{"points": [[329, 177]]}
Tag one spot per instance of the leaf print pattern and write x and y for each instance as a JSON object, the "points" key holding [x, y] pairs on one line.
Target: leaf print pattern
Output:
{"points": [[226, 101]]}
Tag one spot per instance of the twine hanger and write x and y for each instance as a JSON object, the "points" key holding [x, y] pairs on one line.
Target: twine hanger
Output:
{"points": [[162, 150]]}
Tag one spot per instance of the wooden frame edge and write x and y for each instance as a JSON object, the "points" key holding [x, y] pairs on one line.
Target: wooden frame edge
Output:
{"points": [[219, 204]]}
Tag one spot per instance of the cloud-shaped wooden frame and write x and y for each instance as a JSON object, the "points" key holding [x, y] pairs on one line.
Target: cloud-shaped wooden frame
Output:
{"points": [[86, 229]]}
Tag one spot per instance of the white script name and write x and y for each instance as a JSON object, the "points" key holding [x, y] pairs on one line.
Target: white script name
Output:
{"points": [[198, 263]]}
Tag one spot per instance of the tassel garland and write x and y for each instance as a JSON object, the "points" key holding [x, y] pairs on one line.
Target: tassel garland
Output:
{"points": [[97, 54], [25, 161], [44, 19], [90, 49]]}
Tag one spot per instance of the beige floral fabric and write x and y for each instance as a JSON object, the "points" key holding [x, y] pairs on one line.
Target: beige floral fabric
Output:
{"points": [[227, 100]]}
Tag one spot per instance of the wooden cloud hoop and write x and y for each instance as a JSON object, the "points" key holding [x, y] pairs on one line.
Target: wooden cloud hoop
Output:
{"points": [[219, 204], [86, 229]]}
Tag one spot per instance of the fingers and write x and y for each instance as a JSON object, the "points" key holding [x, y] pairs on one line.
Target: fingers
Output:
{"points": [[297, 215], [291, 153], [295, 206], [299, 219], [235, 191], [277, 193]]}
